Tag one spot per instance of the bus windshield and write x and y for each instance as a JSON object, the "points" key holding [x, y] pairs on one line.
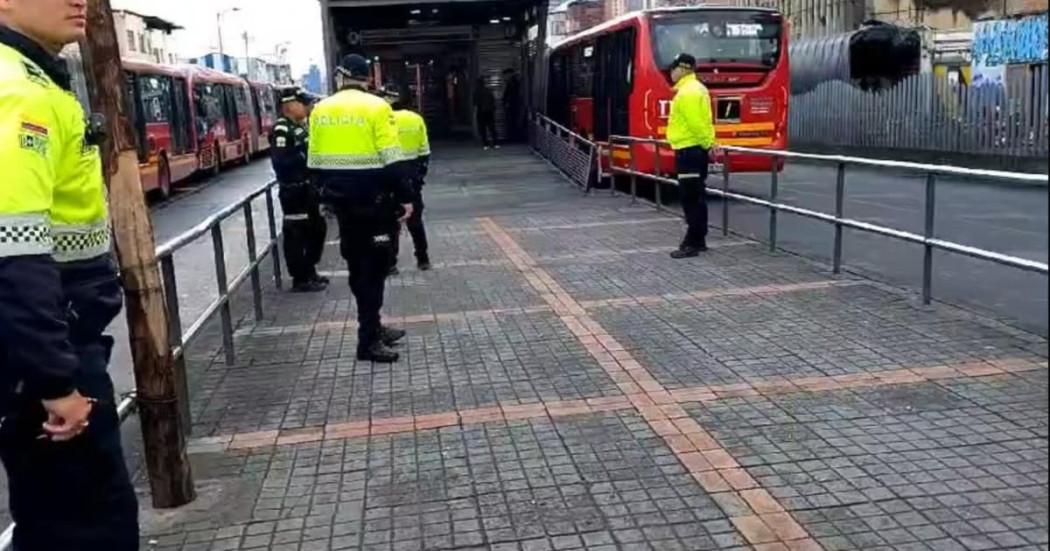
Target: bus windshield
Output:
{"points": [[711, 36]]}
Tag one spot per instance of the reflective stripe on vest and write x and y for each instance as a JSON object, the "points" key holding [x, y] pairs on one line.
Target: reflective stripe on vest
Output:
{"points": [[25, 234]]}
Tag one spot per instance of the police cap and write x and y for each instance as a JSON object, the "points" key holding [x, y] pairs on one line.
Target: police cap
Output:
{"points": [[354, 66], [683, 60], [289, 94]]}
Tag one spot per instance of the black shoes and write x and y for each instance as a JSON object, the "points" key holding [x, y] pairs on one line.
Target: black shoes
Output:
{"points": [[393, 271], [378, 353], [389, 335], [321, 279], [311, 286], [424, 265], [688, 252]]}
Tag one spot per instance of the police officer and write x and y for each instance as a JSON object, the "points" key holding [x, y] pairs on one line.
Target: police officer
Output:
{"points": [[59, 438], [356, 160], [691, 132], [415, 150], [304, 226]]}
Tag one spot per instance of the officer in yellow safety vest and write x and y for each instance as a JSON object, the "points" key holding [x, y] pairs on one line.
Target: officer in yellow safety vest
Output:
{"points": [[415, 150], [59, 436], [691, 132], [356, 161]]}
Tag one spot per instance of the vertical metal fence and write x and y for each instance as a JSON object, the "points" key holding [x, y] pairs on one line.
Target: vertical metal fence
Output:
{"points": [[569, 152], [927, 112]]}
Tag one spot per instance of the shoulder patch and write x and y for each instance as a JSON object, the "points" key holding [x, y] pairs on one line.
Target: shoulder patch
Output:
{"points": [[281, 141], [34, 137], [35, 74]]}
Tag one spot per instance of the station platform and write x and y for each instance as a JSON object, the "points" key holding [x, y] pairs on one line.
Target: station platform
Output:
{"points": [[566, 385]]}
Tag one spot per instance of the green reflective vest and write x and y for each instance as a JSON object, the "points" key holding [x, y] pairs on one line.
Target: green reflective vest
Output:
{"points": [[412, 133], [353, 130], [691, 123], [52, 195]]}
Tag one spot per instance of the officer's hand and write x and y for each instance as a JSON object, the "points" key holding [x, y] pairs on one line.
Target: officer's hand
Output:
{"points": [[408, 209], [714, 153], [67, 417]]}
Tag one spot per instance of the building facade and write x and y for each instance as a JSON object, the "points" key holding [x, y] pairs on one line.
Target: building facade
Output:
{"points": [[145, 37]]}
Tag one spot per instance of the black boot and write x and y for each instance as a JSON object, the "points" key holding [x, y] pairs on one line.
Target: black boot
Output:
{"points": [[687, 252], [390, 335], [424, 265], [309, 286], [378, 353]]}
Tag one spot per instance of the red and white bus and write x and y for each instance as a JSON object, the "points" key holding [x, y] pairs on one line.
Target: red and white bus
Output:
{"points": [[161, 112], [613, 79], [223, 120], [264, 114]]}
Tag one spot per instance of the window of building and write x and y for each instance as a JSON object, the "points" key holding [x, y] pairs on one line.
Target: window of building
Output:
{"points": [[142, 43], [131, 40]]}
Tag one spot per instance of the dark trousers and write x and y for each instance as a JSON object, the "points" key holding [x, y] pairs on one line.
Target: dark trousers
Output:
{"points": [[304, 231], [304, 245], [692, 177], [365, 244], [487, 127], [76, 494], [415, 228]]}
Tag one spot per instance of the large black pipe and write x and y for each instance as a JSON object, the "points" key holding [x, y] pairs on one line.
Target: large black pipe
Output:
{"points": [[875, 57]]}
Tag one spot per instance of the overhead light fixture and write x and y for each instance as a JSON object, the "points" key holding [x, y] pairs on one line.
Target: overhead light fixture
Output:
{"points": [[416, 12], [494, 21], [506, 18], [435, 10]]}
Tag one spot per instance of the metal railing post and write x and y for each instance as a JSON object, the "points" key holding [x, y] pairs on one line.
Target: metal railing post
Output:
{"points": [[249, 226], [276, 252], [774, 191], [840, 211], [725, 190], [171, 299], [634, 176], [658, 184], [612, 167], [927, 257], [224, 293]]}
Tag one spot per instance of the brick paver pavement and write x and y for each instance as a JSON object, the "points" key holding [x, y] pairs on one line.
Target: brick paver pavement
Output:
{"points": [[566, 385]]}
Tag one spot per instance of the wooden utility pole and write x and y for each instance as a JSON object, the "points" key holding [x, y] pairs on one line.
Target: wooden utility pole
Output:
{"points": [[162, 429]]}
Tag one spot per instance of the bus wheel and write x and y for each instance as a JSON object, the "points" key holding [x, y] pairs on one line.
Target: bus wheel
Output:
{"points": [[163, 178], [216, 154]]}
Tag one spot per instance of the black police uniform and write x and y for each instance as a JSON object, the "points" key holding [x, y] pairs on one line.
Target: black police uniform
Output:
{"points": [[356, 180], [58, 293], [305, 229]]}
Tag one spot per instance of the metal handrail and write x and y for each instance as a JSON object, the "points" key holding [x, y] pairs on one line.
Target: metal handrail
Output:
{"points": [[839, 220]]}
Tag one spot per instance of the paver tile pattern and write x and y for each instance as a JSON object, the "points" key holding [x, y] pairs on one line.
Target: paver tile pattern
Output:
{"points": [[565, 385]]}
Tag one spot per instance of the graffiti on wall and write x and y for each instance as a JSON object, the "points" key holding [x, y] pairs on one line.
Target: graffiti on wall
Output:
{"points": [[1008, 41]]}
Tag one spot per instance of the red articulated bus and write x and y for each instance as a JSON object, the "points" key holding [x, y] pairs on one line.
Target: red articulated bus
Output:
{"points": [[223, 121], [264, 113], [612, 80], [160, 110]]}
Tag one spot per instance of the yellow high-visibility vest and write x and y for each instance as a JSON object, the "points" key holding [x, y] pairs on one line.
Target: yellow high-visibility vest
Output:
{"points": [[353, 130], [52, 194], [691, 123]]}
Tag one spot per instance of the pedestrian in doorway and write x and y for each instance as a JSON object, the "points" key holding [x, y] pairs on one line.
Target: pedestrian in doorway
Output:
{"points": [[415, 151], [355, 159], [304, 226], [60, 434], [691, 132], [512, 104], [485, 113]]}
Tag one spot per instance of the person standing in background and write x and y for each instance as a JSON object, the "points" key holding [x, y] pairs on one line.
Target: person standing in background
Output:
{"points": [[691, 132], [512, 104], [415, 152], [485, 113]]}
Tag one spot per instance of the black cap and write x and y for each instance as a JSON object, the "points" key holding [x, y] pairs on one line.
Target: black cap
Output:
{"points": [[289, 94], [354, 66], [683, 60], [390, 92]]}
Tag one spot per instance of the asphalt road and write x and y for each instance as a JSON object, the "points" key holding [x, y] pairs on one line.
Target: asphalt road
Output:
{"points": [[1005, 218], [194, 264]]}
